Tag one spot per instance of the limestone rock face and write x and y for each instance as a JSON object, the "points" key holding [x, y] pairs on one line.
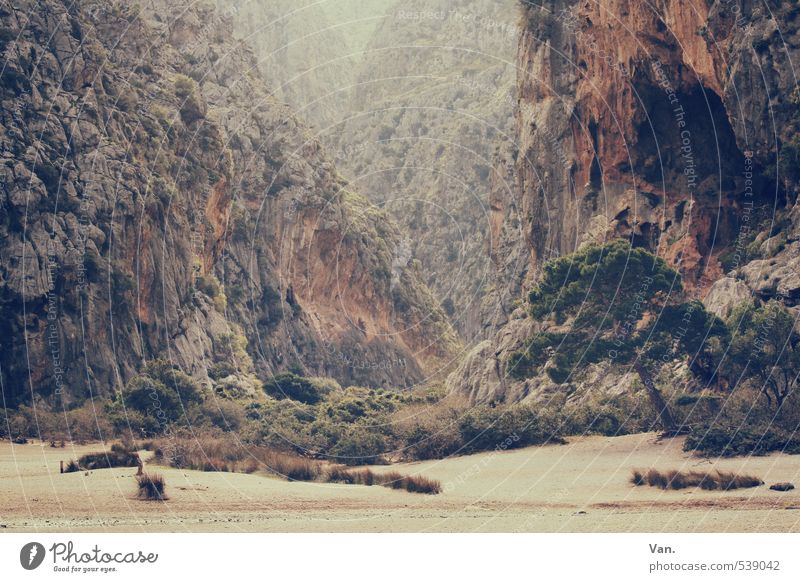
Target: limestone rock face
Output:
{"points": [[432, 107], [414, 99], [663, 123], [157, 201], [725, 295]]}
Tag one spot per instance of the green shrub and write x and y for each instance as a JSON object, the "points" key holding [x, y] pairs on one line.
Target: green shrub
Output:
{"points": [[294, 387], [484, 428], [740, 440], [118, 456], [359, 447], [220, 370], [158, 397]]}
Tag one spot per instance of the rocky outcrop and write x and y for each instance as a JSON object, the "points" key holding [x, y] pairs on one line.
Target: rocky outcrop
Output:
{"points": [[725, 295], [157, 201], [672, 124]]}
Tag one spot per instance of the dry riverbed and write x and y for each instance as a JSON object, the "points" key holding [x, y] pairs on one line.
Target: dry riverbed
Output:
{"points": [[582, 486]]}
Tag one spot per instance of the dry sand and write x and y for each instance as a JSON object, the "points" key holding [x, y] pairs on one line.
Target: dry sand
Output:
{"points": [[579, 487]]}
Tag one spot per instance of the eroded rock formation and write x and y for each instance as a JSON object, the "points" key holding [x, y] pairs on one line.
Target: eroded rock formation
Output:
{"points": [[672, 124], [157, 201]]}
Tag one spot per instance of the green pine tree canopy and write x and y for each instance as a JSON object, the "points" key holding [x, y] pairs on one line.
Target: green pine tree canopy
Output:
{"points": [[620, 304]]}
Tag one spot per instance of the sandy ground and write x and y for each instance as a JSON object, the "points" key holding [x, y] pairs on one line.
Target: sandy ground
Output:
{"points": [[579, 487]]}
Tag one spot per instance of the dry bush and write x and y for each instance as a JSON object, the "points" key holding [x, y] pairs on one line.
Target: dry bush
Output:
{"points": [[223, 453], [337, 474], [72, 467], [364, 477], [151, 487], [420, 484], [392, 479], [293, 468], [637, 478], [119, 456], [80, 425], [728, 481], [716, 480]]}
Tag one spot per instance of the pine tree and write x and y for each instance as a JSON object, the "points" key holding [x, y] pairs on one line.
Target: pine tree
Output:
{"points": [[620, 304]]}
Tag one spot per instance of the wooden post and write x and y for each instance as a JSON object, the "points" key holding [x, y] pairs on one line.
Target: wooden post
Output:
{"points": [[62, 466]]}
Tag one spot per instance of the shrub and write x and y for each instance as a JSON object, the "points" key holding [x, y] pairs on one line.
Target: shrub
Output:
{"points": [[364, 477], [225, 453], [272, 305], [151, 487], [81, 424], [161, 394], [420, 484], [720, 441], [484, 428], [423, 441], [118, 456], [337, 474], [359, 447], [220, 370], [296, 469], [391, 479], [72, 467], [682, 480], [294, 387], [223, 414]]}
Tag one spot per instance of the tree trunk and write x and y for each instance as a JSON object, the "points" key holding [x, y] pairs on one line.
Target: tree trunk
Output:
{"points": [[656, 399]]}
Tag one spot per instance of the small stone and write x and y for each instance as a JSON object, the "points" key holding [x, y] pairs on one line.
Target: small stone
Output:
{"points": [[782, 487]]}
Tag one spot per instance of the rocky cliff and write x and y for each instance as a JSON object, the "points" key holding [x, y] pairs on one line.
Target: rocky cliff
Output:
{"points": [[433, 104], [309, 51], [413, 99], [673, 124], [157, 201]]}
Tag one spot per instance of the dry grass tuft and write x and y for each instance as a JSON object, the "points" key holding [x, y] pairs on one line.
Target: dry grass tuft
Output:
{"points": [[420, 484], [72, 467], [151, 487], [718, 480], [637, 478], [226, 454], [392, 479]]}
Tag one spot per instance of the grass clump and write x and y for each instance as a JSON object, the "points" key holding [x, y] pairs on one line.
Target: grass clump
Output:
{"points": [[151, 487], [226, 454], [420, 484], [72, 467], [391, 479], [119, 456], [710, 481]]}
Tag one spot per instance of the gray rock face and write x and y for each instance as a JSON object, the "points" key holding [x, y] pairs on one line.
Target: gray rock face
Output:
{"points": [[158, 202], [601, 154], [725, 295], [413, 99], [433, 105], [776, 276]]}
